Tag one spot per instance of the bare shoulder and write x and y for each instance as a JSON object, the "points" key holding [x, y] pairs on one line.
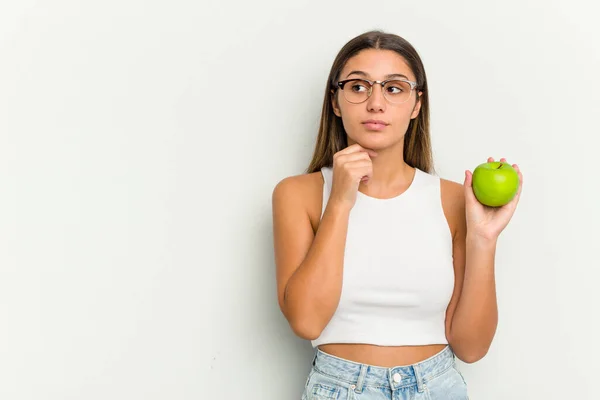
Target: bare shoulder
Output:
{"points": [[300, 192], [452, 192], [299, 187], [296, 212], [453, 203]]}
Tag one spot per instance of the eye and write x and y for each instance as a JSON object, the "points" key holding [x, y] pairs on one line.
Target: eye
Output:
{"points": [[357, 87], [395, 89]]}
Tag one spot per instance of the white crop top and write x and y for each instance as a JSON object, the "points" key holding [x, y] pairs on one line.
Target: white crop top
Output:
{"points": [[398, 274]]}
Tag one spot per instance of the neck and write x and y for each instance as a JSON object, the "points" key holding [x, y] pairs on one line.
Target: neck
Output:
{"points": [[390, 173]]}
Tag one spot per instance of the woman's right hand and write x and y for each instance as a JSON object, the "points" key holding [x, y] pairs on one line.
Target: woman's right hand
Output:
{"points": [[351, 166]]}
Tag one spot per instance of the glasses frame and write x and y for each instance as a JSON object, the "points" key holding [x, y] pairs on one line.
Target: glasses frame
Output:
{"points": [[413, 86]]}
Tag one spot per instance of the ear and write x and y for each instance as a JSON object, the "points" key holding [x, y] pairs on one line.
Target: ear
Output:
{"points": [[416, 108], [334, 104]]}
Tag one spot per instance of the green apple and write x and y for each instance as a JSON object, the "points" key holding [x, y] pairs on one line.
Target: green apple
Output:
{"points": [[495, 183]]}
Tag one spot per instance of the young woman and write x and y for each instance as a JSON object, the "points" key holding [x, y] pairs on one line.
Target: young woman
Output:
{"points": [[385, 267]]}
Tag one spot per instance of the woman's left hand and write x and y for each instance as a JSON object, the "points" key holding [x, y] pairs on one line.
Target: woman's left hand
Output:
{"points": [[488, 222]]}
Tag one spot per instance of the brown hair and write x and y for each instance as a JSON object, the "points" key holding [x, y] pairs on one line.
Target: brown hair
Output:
{"points": [[332, 136]]}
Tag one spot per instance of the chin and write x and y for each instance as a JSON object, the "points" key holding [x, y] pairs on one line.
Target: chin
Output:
{"points": [[374, 140]]}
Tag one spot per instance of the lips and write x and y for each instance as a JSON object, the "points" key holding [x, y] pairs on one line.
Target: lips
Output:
{"points": [[375, 125]]}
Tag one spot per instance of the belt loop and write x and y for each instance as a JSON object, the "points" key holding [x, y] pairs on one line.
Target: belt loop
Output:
{"points": [[361, 378], [419, 378]]}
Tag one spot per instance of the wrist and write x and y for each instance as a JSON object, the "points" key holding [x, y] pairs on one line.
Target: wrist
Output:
{"points": [[481, 242], [338, 207]]}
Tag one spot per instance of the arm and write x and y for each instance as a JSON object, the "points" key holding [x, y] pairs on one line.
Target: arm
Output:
{"points": [[309, 266], [473, 322], [472, 316]]}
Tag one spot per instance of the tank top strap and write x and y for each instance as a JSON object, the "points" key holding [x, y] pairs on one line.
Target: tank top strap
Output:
{"points": [[327, 173], [428, 180]]}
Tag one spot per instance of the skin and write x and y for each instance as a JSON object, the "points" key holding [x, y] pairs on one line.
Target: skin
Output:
{"points": [[300, 249]]}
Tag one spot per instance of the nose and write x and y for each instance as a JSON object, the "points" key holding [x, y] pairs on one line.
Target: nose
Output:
{"points": [[376, 101]]}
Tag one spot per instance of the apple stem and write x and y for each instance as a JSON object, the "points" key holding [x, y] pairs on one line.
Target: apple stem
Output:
{"points": [[499, 166]]}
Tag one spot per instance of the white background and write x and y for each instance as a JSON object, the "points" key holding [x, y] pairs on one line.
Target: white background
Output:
{"points": [[139, 145]]}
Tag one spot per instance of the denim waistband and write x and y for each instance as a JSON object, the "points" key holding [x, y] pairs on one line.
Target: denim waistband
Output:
{"points": [[359, 375]]}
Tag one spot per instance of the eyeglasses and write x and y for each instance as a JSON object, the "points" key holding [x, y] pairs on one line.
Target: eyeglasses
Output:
{"points": [[396, 91]]}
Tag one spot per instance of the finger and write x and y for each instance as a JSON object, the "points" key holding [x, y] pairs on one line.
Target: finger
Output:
{"points": [[468, 184], [363, 171], [370, 152], [503, 160], [355, 148], [348, 150], [490, 159], [516, 167], [346, 158], [360, 168], [520, 180], [515, 199], [468, 179]]}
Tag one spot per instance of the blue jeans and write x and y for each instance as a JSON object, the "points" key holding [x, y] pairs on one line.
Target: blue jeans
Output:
{"points": [[435, 378]]}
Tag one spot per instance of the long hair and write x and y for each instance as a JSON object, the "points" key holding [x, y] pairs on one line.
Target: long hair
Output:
{"points": [[332, 136]]}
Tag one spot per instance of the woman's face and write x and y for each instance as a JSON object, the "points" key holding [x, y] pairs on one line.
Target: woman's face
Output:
{"points": [[375, 64]]}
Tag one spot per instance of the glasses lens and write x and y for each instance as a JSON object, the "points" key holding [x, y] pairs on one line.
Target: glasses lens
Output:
{"points": [[356, 91], [397, 91]]}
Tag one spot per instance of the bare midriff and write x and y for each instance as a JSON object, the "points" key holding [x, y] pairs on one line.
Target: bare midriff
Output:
{"points": [[382, 356]]}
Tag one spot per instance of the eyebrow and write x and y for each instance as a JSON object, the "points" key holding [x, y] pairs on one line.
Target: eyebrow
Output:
{"points": [[386, 77]]}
